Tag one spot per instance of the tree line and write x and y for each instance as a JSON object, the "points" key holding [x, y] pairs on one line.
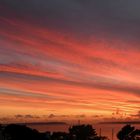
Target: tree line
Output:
{"points": [[76, 132]]}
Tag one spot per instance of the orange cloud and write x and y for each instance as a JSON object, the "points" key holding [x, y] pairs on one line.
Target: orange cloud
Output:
{"points": [[50, 70]]}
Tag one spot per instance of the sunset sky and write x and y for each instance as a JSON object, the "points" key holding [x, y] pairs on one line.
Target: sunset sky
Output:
{"points": [[69, 59]]}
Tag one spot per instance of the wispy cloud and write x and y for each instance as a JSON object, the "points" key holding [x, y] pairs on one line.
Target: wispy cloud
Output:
{"points": [[74, 57]]}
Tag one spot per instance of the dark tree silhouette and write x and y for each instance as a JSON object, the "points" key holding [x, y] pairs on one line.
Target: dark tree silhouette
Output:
{"points": [[59, 136], [135, 135], [0, 127], [77, 132], [128, 133], [83, 132], [20, 132]]}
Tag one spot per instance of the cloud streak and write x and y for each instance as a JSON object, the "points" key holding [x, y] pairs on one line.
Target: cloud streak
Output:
{"points": [[81, 55]]}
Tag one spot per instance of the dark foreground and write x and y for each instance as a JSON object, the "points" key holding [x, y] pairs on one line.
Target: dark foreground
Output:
{"points": [[76, 132]]}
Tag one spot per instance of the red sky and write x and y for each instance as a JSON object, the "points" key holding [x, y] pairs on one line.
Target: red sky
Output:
{"points": [[59, 65]]}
